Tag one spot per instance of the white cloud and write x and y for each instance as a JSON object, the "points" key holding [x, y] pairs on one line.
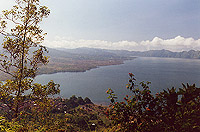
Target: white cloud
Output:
{"points": [[176, 44]]}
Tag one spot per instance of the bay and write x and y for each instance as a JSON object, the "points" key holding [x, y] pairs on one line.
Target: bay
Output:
{"points": [[163, 73]]}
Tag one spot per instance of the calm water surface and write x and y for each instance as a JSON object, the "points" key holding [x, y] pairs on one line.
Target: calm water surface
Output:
{"points": [[163, 73]]}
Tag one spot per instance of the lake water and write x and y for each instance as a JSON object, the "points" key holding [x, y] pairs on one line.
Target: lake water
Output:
{"points": [[163, 73]]}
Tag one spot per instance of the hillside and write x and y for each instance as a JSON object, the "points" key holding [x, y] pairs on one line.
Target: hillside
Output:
{"points": [[192, 54], [72, 114], [79, 60], [82, 59]]}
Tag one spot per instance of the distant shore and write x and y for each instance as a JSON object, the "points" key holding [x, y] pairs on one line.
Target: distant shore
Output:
{"points": [[79, 66], [72, 66]]}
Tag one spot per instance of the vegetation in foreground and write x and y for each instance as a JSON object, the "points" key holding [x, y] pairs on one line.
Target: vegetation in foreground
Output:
{"points": [[168, 111], [171, 110], [26, 106], [22, 54], [67, 115]]}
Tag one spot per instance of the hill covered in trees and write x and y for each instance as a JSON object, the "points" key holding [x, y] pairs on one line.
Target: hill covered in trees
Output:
{"points": [[63, 115]]}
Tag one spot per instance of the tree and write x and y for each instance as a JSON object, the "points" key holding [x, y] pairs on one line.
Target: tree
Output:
{"points": [[22, 55], [172, 110]]}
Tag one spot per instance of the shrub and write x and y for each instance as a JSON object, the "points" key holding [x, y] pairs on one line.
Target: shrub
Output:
{"points": [[171, 110]]}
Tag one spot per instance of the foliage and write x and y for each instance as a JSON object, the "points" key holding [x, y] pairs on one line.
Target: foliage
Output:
{"points": [[60, 105], [169, 110], [25, 105], [21, 57], [8, 126], [60, 116]]}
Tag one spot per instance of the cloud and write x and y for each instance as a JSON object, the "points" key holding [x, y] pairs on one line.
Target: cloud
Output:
{"points": [[176, 44]]}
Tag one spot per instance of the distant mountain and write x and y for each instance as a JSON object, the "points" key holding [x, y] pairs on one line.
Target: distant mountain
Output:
{"points": [[92, 53], [192, 54], [88, 51], [103, 53], [82, 59]]}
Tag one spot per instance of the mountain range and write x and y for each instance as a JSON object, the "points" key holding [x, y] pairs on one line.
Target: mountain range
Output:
{"points": [[192, 54], [82, 59]]}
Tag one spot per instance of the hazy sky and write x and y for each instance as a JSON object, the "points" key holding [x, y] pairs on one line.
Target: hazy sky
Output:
{"points": [[122, 24]]}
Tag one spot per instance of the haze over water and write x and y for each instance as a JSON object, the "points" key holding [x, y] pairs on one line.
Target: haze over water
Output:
{"points": [[163, 73]]}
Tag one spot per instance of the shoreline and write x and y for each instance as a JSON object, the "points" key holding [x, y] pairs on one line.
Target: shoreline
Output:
{"points": [[50, 70], [84, 69]]}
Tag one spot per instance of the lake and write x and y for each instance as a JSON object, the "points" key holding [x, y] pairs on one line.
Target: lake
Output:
{"points": [[163, 73]]}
